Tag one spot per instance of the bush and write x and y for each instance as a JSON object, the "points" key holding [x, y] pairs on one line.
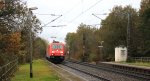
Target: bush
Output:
{"points": [[129, 59]]}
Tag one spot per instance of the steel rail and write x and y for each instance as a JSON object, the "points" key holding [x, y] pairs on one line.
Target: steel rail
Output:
{"points": [[114, 70], [88, 73]]}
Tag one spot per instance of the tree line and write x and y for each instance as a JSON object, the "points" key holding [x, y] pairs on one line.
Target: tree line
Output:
{"points": [[15, 25], [113, 32]]}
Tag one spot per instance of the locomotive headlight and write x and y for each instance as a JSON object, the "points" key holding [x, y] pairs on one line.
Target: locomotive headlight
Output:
{"points": [[52, 51], [52, 54], [61, 51]]}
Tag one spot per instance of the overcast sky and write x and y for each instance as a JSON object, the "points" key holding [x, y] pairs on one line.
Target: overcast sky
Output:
{"points": [[74, 12]]}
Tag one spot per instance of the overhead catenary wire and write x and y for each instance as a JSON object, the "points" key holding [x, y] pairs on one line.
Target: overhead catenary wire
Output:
{"points": [[51, 21], [67, 12], [85, 11], [46, 14], [97, 17], [56, 26], [57, 15]]}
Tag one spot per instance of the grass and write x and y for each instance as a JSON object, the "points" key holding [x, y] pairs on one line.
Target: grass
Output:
{"points": [[41, 72], [147, 64]]}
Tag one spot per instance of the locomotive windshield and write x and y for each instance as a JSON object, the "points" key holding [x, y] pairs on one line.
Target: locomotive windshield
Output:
{"points": [[57, 46]]}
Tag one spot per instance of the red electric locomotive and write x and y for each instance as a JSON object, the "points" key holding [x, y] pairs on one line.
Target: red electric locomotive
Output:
{"points": [[55, 52]]}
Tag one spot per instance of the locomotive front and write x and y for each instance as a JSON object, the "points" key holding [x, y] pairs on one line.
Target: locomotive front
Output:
{"points": [[55, 52]]}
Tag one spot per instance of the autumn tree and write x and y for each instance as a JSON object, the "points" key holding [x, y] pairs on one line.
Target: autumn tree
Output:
{"points": [[84, 37], [71, 42], [40, 46], [113, 32], [14, 29]]}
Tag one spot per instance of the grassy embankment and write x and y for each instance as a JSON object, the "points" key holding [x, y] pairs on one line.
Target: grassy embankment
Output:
{"points": [[147, 64], [41, 72]]}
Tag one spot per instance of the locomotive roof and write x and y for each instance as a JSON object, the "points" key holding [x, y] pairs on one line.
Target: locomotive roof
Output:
{"points": [[56, 43]]}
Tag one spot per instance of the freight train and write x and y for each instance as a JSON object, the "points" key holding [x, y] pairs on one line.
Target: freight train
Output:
{"points": [[56, 52]]}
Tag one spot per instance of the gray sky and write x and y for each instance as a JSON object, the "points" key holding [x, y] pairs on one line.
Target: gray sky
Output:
{"points": [[74, 13]]}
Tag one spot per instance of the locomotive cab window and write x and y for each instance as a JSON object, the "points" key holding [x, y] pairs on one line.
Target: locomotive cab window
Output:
{"points": [[54, 46], [60, 47], [57, 46]]}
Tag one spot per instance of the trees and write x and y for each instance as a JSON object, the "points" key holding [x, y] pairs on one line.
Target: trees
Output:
{"points": [[9, 38], [113, 32], [40, 46], [114, 29], [14, 29], [72, 44], [144, 27], [82, 44]]}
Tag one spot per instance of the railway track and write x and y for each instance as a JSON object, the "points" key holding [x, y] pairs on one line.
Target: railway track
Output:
{"points": [[128, 70], [105, 73], [64, 74], [87, 72]]}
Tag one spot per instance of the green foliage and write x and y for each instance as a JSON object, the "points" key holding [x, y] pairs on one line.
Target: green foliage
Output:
{"points": [[75, 42], [147, 64], [14, 28], [114, 29], [93, 57], [40, 46], [113, 32], [144, 27]]}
